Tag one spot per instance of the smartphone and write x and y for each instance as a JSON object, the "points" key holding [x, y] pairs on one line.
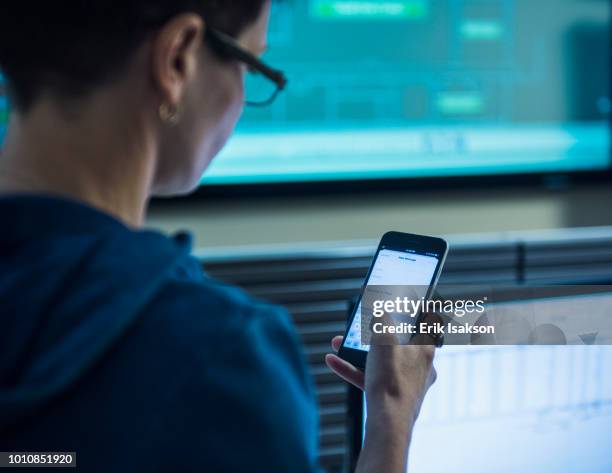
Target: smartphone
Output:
{"points": [[402, 259]]}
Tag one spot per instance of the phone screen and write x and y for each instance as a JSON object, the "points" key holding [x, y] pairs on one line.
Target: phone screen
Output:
{"points": [[394, 267]]}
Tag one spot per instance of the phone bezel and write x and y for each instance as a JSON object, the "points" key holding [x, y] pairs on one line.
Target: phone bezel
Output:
{"points": [[401, 242]]}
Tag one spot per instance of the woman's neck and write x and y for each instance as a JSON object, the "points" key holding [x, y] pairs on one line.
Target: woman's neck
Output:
{"points": [[99, 156]]}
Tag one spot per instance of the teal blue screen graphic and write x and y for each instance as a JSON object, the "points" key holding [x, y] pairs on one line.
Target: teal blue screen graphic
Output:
{"points": [[4, 110], [423, 88]]}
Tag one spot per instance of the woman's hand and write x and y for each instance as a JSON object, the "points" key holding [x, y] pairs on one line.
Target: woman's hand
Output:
{"points": [[343, 368], [396, 380], [411, 366], [402, 372]]}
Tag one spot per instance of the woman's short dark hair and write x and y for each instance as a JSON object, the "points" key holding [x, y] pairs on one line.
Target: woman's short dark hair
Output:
{"points": [[69, 47]]}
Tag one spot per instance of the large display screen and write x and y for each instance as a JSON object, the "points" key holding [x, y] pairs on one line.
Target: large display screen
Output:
{"points": [[510, 408], [422, 88], [387, 89], [4, 110]]}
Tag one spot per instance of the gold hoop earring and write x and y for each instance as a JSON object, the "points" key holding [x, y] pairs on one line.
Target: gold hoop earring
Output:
{"points": [[168, 114]]}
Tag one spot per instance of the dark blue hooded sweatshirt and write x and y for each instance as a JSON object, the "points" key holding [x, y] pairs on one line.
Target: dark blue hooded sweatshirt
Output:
{"points": [[115, 345]]}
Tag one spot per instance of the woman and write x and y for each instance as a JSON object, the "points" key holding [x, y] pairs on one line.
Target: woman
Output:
{"points": [[115, 345]]}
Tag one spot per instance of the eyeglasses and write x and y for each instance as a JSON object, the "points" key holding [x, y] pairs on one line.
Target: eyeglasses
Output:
{"points": [[263, 83]]}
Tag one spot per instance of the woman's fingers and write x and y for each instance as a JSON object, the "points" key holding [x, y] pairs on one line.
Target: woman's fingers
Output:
{"points": [[336, 342], [345, 370], [425, 338]]}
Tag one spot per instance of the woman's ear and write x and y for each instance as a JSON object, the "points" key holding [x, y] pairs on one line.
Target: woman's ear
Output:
{"points": [[175, 57]]}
